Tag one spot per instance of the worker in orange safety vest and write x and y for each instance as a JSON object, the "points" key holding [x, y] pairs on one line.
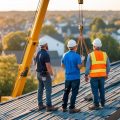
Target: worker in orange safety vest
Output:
{"points": [[97, 68]]}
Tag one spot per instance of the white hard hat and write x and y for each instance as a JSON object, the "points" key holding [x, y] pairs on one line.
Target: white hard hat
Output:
{"points": [[71, 43], [42, 42], [97, 43]]}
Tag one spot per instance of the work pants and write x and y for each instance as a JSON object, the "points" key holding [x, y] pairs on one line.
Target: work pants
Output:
{"points": [[98, 90], [48, 86], [74, 85]]}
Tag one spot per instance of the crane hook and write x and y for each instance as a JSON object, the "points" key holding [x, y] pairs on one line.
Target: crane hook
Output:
{"points": [[80, 1]]}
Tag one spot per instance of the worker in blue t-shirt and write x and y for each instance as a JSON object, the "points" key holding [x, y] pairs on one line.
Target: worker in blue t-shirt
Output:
{"points": [[71, 61]]}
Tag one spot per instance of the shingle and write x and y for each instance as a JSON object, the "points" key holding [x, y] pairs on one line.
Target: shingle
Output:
{"points": [[25, 107]]}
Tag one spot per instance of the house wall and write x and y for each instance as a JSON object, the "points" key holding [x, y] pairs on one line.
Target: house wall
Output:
{"points": [[54, 45]]}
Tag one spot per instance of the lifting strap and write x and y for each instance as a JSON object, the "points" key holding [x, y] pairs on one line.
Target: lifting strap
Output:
{"points": [[81, 40]]}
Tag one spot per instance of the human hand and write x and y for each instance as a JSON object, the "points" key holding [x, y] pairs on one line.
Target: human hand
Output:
{"points": [[86, 78], [52, 77], [82, 58], [106, 77]]}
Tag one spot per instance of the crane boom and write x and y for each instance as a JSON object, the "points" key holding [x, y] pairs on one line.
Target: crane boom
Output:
{"points": [[31, 47]]}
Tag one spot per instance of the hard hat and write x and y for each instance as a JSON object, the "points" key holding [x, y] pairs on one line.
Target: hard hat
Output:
{"points": [[97, 42], [71, 43], [42, 42]]}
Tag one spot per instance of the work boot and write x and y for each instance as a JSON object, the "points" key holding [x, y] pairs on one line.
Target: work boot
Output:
{"points": [[41, 107], [64, 109], [74, 110], [94, 107], [51, 108]]}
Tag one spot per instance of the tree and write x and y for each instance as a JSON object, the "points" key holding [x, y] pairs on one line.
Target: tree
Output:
{"points": [[31, 84], [49, 30], [14, 41], [110, 45], [88, 45], [8, 72], [97, 25], [94, 28]]}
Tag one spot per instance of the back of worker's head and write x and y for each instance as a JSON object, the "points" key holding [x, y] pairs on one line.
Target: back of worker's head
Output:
{"points": [[43, 44], [97, 43], [72, 45]]}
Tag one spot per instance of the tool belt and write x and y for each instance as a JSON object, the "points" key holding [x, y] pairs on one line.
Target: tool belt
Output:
{"points": [[44, 73]]}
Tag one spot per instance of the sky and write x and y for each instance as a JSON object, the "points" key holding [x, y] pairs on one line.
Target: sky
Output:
{"points": [[26, 5]]}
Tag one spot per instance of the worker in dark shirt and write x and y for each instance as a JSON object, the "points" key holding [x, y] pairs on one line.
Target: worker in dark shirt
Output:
{"points": [[44, 76]]}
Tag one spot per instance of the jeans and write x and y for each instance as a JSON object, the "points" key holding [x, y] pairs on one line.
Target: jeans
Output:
{"points": [[98, 90], [48, 86], [74, 85]]}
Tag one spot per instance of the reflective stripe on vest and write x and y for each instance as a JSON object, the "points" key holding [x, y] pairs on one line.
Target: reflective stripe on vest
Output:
{"points": [[98, 64]]}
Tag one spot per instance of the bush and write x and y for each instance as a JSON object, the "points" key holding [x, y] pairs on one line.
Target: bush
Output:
{"points": [[31, 85], [8, 72]]}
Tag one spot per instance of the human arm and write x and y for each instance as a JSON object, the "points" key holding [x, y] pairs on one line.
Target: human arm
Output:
{"points": [[79, 62], [62, 65], [48, 64], [82, 60], [107, 67], [49, 68], [62, 62]]}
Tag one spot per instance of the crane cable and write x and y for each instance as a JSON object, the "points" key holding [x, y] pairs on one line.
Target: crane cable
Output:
{"points": [[81, 28], [81, 40]]}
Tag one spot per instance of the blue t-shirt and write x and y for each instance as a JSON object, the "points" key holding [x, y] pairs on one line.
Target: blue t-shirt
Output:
{"points": [[71, 60], [42, 58]]}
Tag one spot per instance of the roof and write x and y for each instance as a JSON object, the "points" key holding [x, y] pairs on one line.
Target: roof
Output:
{"points": [[55, 36], [25, 107], [73, 29], [58, 37], [18, 54], [55, 59]]}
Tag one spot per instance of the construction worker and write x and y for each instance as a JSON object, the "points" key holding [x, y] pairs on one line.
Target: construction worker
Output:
{"points": [[71, 62], [44, 76], [97, 68]]}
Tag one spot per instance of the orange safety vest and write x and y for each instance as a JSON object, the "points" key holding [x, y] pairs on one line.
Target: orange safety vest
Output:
{"points": [[98, 64]]}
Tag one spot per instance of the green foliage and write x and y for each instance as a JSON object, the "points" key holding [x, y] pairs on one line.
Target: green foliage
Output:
{"points": [[110, 45], [14, 41], [88, 44], [97, 25], [49, 30], [31, 85], [8, 72]]}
